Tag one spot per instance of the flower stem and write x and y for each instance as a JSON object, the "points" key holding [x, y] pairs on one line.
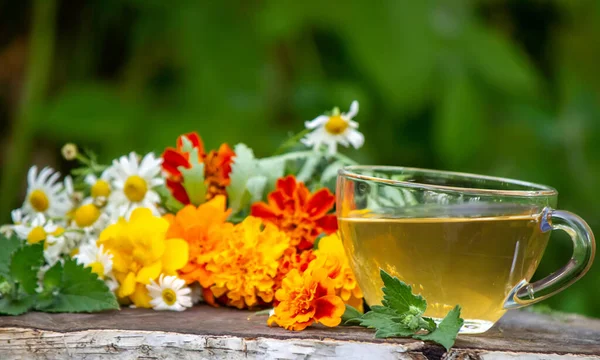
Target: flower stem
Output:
{"points": [[291, 142], [346, 160]]}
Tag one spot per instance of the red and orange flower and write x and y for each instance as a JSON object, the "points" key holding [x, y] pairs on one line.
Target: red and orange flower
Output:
{"points": [[293, 259], [305, 299], [217, 166], [297, 212]]}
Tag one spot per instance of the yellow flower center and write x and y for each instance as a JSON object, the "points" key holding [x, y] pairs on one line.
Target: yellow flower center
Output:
{"points": [[100, 188], [336, 125], [74, 252], [39, 200], [97, 268], [169, 296], [86, 215], [135, 188], [59, 231], [36, 235]]}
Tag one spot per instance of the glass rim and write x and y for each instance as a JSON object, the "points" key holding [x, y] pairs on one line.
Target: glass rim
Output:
{"points": [[536, 189]]}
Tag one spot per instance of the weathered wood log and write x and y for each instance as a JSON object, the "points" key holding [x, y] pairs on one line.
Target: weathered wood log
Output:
{"points": [[218, 333]]}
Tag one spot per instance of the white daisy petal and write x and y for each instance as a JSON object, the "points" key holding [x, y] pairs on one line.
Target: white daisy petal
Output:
{"points": [[318, 121], [52, 179], [44, 174], [356, 138], [132, 181], [31, 175], [169, 294], [334, 130], [353, 110], [332, 146], [90, 179]]}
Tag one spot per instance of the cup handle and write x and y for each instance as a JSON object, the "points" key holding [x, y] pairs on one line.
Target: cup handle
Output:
{"points": [[584, 248]]}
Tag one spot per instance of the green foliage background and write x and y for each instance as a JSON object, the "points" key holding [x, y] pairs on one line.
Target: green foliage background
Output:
{"points": [[506, 88]]}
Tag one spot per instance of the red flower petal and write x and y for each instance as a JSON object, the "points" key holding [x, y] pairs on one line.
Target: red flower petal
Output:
{"points": [[178, 191], [172, 160], [329, 310], [328, 223], [287, 185], [277, 199], [263, 211], [226, 155], [194, 139], [320, 203]]}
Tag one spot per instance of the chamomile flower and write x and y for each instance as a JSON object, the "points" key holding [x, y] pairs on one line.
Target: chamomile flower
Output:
{"points": [[38, 230], [18, 217], [55, 247], [333, 129], [100, 261], [45, 194], [133, 183], [100, 188], [170, 293], [41, 229]]}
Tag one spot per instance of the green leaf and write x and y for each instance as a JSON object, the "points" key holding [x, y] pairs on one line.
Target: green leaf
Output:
{"points": [[24, 266], [331, 171], [256, 187], [351, 316], [8, 245], [51, 285], [399, 297], [309, 167], [53, 277], [428, 324], [243, 168], [446, 332], [9, 306], [81, 291], [193, 182], [386, 321], [272, 169]]}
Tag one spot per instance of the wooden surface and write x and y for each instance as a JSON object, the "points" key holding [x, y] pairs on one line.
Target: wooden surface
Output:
{"points": [[205, 332]]}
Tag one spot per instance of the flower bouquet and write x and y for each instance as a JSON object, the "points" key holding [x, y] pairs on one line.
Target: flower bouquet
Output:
{"points": [[219, 226]]}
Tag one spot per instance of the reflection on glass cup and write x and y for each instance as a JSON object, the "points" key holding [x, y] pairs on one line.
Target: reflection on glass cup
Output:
{"points": [[458, 239]]}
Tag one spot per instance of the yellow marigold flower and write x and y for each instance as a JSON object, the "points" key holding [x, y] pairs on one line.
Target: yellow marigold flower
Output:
{"points": [[332, 257], [141, 252], [305, 299], [244, 270]]}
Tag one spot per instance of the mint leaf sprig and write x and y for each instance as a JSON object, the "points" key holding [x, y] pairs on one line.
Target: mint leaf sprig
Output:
{"points": [[65, 287], [401, 315]]}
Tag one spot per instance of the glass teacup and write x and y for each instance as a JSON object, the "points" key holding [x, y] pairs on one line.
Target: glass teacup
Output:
{"points": [[458, 239]]}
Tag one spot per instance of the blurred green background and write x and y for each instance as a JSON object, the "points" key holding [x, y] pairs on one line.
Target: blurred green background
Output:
{"points": [[506, 88]]}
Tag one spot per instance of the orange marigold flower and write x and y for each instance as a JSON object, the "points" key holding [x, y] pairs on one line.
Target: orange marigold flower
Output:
{"points": [[305, 299], [302, 215], [293, 259], [217, 166], [331, 256], [244, 270], [201, 227]]}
